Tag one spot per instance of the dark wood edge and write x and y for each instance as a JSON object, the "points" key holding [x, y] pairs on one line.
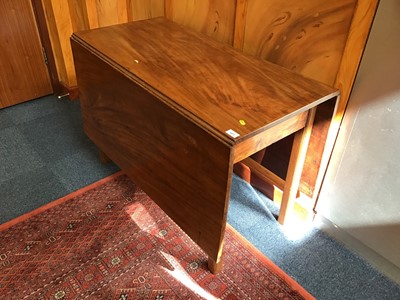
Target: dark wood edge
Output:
{"points": [[40, 17]]}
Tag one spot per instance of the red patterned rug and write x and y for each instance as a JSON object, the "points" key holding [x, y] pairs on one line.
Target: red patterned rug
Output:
{"points": [[111, 241]]}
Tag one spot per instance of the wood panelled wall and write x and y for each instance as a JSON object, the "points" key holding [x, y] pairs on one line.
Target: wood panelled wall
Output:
{"points": [[307, 37], [321, 39], [65, 17], [214, 18]]}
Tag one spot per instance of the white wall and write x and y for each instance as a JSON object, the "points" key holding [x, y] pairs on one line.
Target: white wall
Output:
{"points": [[361, 192]]}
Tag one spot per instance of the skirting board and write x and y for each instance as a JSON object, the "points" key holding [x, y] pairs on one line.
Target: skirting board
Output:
{"points": [[373, 258], [70, 91]]}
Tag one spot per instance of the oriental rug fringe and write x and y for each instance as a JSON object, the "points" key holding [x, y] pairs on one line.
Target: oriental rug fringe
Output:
{"points": [[111, 241]]}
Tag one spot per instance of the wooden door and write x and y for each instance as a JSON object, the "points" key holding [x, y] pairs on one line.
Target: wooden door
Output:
{"points": [[23, 71]]}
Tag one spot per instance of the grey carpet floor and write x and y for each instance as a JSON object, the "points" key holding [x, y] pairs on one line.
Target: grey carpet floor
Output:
{"points": [[45, 155]]}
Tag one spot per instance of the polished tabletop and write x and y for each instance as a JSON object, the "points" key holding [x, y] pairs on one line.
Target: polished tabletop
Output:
{"points": [[227, 93]]}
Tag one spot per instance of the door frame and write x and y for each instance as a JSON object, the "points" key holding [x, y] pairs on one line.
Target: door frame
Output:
{"points": [[44, 36]]}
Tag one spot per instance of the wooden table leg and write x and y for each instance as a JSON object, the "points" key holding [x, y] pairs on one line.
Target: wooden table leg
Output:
{"points": [[296, 162], [213, 266]]}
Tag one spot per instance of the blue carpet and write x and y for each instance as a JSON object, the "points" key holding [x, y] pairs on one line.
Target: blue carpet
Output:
{"points": [[321, 265], [44, 155], [5, 120], [21, 158]]}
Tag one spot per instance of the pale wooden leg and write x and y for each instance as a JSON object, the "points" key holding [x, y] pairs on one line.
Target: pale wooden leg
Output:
{"points": [[104, 159], [215, 267], [296, 162]]}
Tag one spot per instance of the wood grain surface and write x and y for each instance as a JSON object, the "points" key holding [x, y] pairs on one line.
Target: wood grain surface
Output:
{"points": [[304, 36], [23, 72], [60, 28], [142, 10], [65, 17], [240, 24], [159, 107], [357, 37], [295, 168], [216, 86], [320, 39], [167, 155], [363, 17], [317, 38], [214, 18], [308, 37], [264, 139]]}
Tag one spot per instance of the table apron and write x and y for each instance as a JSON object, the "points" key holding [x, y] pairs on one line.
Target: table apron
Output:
{"points": [[261, 140]]}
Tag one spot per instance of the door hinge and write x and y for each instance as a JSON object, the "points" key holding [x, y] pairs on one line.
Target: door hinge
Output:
{"points": [[45, 56]]}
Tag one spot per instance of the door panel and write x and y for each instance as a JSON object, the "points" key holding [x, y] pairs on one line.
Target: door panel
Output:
{"points": [[23, 71]]}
